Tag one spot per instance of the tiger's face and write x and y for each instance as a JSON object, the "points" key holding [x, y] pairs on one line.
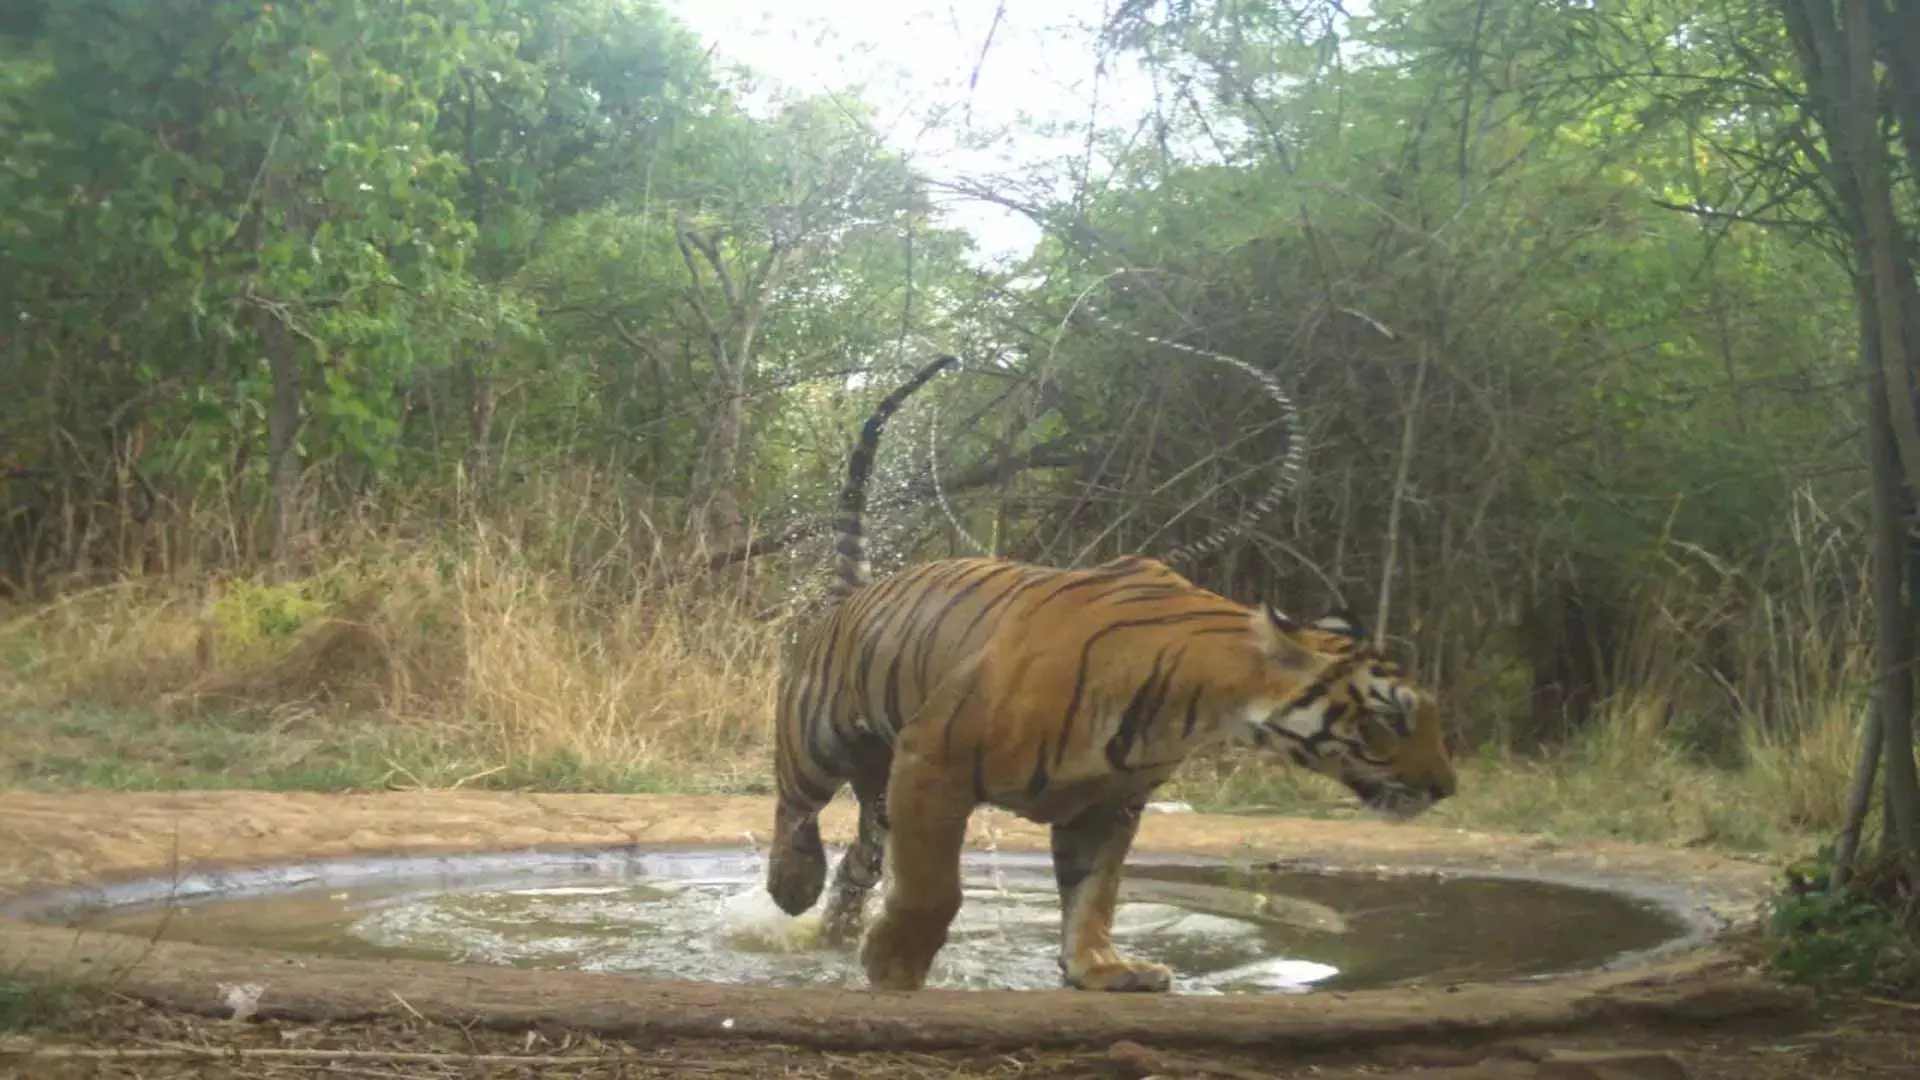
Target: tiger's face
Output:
{"points": [[1358, 718]]}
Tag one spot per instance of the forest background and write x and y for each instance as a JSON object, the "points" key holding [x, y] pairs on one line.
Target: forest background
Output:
{"points": [[452, 392]]}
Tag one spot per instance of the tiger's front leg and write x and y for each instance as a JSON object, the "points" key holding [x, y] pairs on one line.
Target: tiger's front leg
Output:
{"points": [[928, 807], [1088, 853]]}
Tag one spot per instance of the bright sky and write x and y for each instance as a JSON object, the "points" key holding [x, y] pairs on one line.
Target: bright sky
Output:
{"points": [[910, 59]]}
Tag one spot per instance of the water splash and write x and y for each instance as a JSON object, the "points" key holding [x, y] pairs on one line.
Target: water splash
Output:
{"points": [[933, 472], [1005, 936], [751, 922], [721, 924], [1292, 464], [898, 480]]}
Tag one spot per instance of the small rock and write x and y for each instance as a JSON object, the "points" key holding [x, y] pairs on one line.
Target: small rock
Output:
{"points": [[1611, 1065]]}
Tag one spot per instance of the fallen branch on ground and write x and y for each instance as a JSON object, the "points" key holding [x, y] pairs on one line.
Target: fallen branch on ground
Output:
{"points": [[293, 1055]]}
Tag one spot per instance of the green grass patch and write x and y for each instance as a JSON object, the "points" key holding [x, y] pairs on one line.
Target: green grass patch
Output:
{"points": [[111, 749], [31, 1003]]}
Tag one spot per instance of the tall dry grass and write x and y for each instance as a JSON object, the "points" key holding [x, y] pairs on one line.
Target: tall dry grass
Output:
{"points": [[1733, 720], [1736, 707], [539, 640]]}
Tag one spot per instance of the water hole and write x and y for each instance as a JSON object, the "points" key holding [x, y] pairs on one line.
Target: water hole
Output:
{"points": [[703, 915]]}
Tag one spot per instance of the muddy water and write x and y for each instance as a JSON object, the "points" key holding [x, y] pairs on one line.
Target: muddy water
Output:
{"points": [[703, 915]]}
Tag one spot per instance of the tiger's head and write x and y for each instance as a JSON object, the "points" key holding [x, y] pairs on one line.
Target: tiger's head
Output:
{"points": [[1351, 714]]}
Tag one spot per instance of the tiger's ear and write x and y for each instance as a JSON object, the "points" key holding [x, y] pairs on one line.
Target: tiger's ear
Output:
{"points": [[1279, 640]]}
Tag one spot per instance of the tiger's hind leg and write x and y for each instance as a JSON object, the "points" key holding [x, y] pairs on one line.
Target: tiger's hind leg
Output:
{"points": [[860, 867], [1088, 854]]}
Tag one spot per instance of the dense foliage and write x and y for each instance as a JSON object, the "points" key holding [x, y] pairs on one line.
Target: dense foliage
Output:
{"points": [[1565, 305]]}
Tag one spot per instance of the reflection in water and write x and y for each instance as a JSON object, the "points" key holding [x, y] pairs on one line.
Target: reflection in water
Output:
{"points": [[1222, 929]]}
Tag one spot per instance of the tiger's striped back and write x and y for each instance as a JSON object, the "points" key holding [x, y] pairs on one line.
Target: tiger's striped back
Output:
{"points": [[1097, 682]]}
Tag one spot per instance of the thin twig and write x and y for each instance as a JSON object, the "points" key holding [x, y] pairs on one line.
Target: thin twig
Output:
{"points": [[1398, 499]]}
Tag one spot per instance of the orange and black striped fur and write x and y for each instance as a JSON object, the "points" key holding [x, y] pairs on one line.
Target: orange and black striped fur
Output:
{"points": [[1065, 696]]}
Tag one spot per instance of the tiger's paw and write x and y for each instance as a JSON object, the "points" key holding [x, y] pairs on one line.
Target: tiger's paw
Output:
{"points": [[1123, 977], [896, 958]]}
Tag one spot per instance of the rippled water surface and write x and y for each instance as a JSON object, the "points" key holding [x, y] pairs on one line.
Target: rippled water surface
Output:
{"points": [[704, 915]]}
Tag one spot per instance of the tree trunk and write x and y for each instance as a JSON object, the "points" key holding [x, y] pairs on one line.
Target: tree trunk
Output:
{"points": [[1860, 797], [725, 525], [1893, 621], [1883, 258], [477, 379], [283, 432], [1403, 467], [1837, 56], [714, 517]]}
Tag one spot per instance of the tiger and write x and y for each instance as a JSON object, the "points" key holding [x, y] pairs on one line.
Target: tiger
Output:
{"points": [[1065, 696]]}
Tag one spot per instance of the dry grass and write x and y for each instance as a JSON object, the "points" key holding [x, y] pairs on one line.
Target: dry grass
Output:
{"points": [[475, 656], [1736, 724], [472, 656]]}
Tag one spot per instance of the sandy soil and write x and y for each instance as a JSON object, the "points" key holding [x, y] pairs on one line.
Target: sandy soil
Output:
{"points": [[310, 1002], [1856, 1041]]}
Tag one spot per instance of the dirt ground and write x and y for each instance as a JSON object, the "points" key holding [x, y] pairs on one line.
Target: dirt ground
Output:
{"points": [[1855, 1038], [322, 1015]]}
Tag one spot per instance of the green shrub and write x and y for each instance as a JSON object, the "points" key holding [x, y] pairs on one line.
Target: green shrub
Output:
{"points": [[1860, 935]]}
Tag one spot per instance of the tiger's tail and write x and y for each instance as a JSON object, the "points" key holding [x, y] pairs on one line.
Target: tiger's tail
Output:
{"points": [[851, 570]]}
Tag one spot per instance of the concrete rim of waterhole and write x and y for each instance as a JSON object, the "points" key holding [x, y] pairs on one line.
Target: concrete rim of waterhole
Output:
{"points": [[54, 842]]}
